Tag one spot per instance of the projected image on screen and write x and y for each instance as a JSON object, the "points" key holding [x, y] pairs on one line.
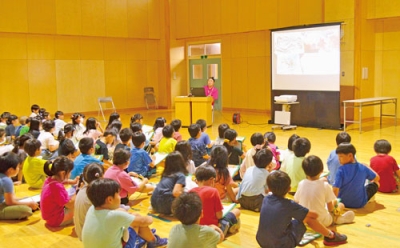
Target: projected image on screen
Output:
{"points": [[306, 58]]}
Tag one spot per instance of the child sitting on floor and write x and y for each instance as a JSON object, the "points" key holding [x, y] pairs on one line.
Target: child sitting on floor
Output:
{"points": [[117, 172], [281, 220], [126, 136], [104, 223], [141, 163], [254, 184], [212, 206], [317, 195], [270, 139], [257, 141], [221, 134], [186, 151], [187, 208], [230, 142], [167, 142], [226, 187], [176, 124], [386, 166], [57, 207], [86, 146], [204, 136], [173, 180], [10, 207], [350, 179], [199, 149], [33, 166], [333, 160]]}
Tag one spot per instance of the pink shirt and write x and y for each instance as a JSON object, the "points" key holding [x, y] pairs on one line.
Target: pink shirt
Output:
{"points": [[94, 134], [52, 201], [177, 136], [128, 187], [213, 92]]}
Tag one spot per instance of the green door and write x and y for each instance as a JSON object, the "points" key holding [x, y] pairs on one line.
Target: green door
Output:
{"points": [[199, 72]]}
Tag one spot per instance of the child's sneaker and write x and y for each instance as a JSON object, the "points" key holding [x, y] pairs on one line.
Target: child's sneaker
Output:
{"points": [[347, 217], [224, 226], [159, 242], [338, 239], [235, 227]]}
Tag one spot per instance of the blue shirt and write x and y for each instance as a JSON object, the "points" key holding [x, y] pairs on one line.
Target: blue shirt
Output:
{"points": [[350, 179], [6, 186], [254, 182], [80, 163], [139, 161], [333, 166], [205, 138], [198, 151]]}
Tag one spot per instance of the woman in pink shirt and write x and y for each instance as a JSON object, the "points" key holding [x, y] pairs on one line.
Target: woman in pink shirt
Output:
{"points": [[210, 90]]}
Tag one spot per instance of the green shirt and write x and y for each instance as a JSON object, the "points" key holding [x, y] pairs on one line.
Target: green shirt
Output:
{"points": [[193, 236], [34, 171], [24, 130]]}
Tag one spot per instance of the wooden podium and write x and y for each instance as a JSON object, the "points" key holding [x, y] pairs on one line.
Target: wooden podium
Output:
{"points": [[190, 109]]}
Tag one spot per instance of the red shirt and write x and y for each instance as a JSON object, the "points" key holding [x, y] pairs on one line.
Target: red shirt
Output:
{"points": [[211, 204], [52, 201], [385, 166]]}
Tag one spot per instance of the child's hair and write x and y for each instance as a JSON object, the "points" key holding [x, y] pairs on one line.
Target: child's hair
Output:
{"points": [[263, 158], [20, 141], [5, 115], [230, 135], [312, 166], [48, 125], [219, 160], [67, 128], [257, 140], [202, 123], [136, 127], [41, 112], [46, 115], [98, 190], [35, 124], [291, 139], [221, 130], [113, 116], [75, 117], [92, 172], [85, 144], [67, 147], [90, 124], [382, 146], [138, 138], [22, 119], [31, 146], [110, 131], [270, 137], [125, 134], [121, 156], [9, 160], [11, 118], [194, 130], [343, 137], [278, 183], [34, 107], [176, 124], [187, 208], [116, 125], [204, 173], [346, 148], [174, 163], [168, 131], [61, 163], [160, 122], [57, 114], [301, 147], [136, 117], [185, 149]]}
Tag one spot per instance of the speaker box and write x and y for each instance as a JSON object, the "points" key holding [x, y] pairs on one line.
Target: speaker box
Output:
{"points": [[236, 118]]}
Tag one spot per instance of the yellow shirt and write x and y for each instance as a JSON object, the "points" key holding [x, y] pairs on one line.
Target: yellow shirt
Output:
{"points": [[167, 145], [34, 171]]}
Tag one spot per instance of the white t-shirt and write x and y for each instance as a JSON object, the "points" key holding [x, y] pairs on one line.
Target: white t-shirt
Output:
{"points": [[82, 205], [314, 195], [104, 228], [59, 124], [47, 139]]}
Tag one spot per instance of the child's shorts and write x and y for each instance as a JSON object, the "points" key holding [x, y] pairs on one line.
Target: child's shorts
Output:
{"points": [[231, 219], [251, 202], [134, 240]]}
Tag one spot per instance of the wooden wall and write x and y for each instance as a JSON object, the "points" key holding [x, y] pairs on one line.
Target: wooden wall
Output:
{"points": [[62, 55]]}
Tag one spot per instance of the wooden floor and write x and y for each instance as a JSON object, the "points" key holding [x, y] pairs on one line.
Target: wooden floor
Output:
{"points": [[376, 225]]}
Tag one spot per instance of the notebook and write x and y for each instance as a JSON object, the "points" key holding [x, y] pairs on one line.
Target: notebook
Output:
{"points": [[35, 198], [228, 208]]}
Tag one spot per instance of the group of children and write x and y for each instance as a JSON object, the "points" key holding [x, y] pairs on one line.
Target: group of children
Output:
{"points": [[105, 185]]}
